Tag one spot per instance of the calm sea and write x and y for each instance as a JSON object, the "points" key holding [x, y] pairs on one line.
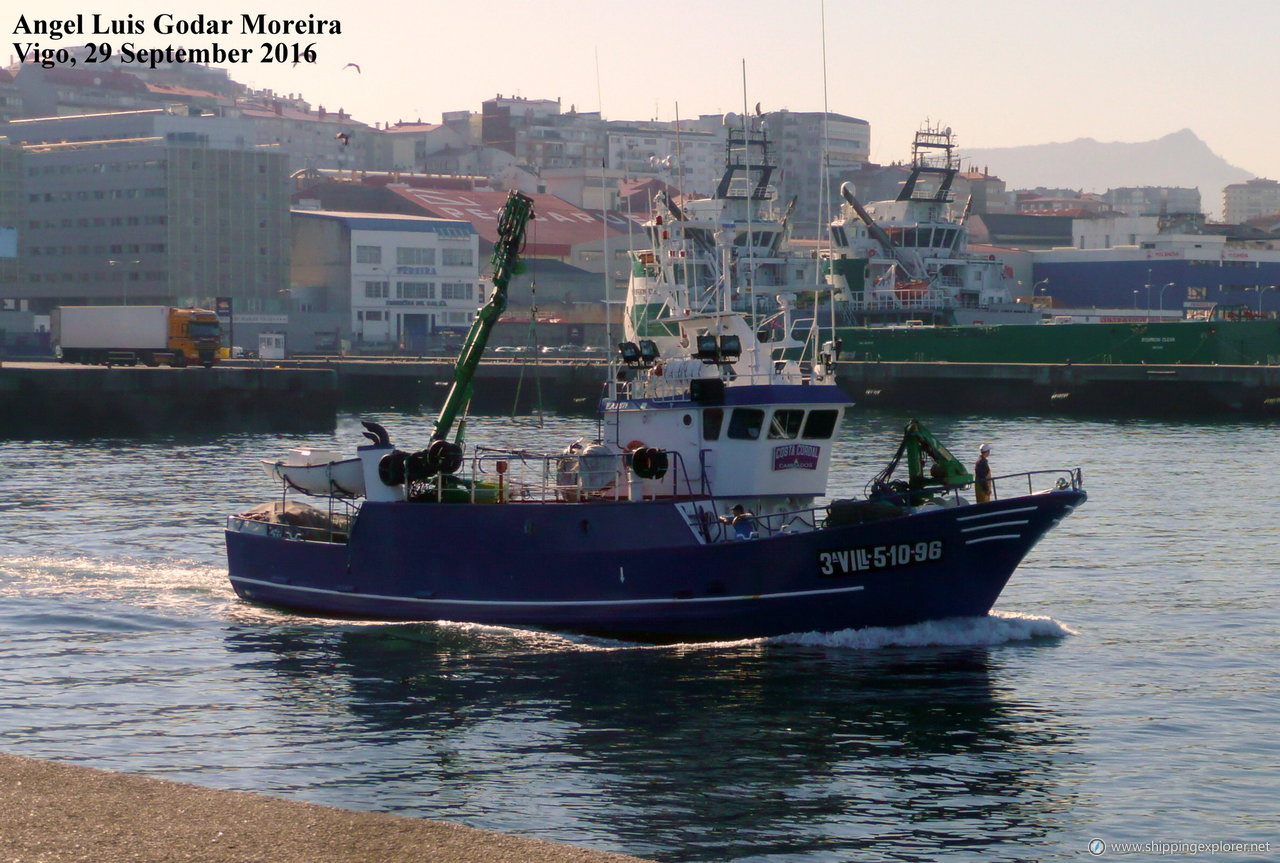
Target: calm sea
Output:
{"points": [[1125, 691]]}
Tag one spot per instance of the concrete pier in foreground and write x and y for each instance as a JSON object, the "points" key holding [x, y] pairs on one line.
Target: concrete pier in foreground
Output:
{"points": [[58, 813]]}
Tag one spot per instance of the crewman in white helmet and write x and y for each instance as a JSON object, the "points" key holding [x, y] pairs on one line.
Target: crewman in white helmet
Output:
{"points": [[982, 475]]}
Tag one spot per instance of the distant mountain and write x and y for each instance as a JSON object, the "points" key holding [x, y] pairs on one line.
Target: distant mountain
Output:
{"points": [[1180, 159]]}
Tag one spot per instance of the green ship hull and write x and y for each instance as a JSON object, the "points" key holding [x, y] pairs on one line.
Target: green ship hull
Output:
{"points": [[1248, 342]]}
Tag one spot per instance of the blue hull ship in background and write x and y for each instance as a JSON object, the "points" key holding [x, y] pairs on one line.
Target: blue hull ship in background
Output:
{"points": [[626, 534]]}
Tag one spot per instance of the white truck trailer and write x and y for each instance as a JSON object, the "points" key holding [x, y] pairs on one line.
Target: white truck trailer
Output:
{"points": [[127, 335]]}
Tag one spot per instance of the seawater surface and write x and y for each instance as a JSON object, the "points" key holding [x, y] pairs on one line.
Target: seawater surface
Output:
{"points": [[1125, 690]]}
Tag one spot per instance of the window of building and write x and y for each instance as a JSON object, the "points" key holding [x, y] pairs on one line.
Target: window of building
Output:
{"points": [[376, 290], [411, 257], [368, 254], [456, 291], [457, 257], [416, 290]]}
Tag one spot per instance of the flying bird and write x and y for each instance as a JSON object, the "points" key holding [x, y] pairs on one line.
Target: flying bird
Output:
{"points": [[353, 66], [343, 137]]}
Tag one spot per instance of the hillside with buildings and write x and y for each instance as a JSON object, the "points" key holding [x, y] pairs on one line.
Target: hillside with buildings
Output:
{"points": [[177, 185]]}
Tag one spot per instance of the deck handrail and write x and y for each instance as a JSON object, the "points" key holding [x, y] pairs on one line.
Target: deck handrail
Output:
{"points": [[551, 484]]}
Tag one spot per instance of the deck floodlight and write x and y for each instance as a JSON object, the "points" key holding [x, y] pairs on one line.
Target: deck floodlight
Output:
{"points": [[708, 349], [630, 352], [730, 349], [648, 352]]}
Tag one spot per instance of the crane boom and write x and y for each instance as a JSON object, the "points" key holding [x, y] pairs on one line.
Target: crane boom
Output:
{"points": [[515, 217]]}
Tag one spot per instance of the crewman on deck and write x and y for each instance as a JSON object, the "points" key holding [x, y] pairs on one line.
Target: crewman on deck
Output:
{"points": [[743, 522], [982, 475]]}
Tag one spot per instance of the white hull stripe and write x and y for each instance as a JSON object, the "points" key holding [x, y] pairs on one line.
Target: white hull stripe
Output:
{"points": [[530, 604], [997, 514], [994, 524], [990, 538]]}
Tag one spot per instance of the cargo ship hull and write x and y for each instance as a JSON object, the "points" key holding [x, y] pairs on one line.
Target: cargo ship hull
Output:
{"points": [[1243, 342]]}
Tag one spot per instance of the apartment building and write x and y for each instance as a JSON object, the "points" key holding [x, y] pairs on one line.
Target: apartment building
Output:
{"points": [[411, 281], [1254, 199], [815, 153], [148, 220], [539, 135], [682, 155]]}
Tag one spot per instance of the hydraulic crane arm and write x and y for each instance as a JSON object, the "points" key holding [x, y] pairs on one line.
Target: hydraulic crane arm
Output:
{"points": [[515, 217], [920, 447]]}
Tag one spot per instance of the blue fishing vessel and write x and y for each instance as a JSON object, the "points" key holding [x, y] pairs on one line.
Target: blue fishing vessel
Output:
{"points": [[691, 511]]}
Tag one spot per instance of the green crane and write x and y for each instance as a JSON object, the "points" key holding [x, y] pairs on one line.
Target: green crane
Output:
{"points": [[442, 455], [516, 215], [919, 447]]}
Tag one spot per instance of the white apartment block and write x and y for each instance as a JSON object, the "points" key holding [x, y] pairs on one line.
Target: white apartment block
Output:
{"points": [[1244, 201], [412, 280]]}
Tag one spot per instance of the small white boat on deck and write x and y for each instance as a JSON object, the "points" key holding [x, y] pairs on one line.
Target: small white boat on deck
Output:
{"points": [[317, 472]]}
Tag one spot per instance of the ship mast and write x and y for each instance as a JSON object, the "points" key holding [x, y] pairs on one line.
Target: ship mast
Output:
{"points": [[932, 153]]}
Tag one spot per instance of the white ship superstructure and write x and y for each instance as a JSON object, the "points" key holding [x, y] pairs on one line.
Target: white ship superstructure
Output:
{"points": [[910, 256], [729, 252]]}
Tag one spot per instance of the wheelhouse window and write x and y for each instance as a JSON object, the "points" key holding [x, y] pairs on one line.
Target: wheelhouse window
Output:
{"points": [[712, 420], [821, 425], [785, 424], [745, 424]]}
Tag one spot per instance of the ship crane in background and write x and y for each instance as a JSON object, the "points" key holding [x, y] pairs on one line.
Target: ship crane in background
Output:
{"points": [[911, 266]]}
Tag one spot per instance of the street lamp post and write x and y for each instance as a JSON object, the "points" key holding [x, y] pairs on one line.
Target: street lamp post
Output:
{"points": [[1135, 298], [1262, 288], [1162, 287], [124, 279]]}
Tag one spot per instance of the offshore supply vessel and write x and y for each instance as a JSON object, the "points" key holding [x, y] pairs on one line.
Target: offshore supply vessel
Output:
{"points": [[909, 288]]}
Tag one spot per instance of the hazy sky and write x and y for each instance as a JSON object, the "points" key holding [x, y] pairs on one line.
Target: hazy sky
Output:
{"points": [[999, 72]]}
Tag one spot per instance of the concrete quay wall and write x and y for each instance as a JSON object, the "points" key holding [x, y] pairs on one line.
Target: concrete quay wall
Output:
{"points": [[501, 386], [1110, 390], [1075, 389], [43, 399]]}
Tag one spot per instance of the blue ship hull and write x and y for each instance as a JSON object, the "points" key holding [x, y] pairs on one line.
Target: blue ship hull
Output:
{"points": [[637, 569]]}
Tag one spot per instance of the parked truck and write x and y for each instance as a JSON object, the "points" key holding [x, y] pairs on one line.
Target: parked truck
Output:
{"points": [[128, 335]]}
